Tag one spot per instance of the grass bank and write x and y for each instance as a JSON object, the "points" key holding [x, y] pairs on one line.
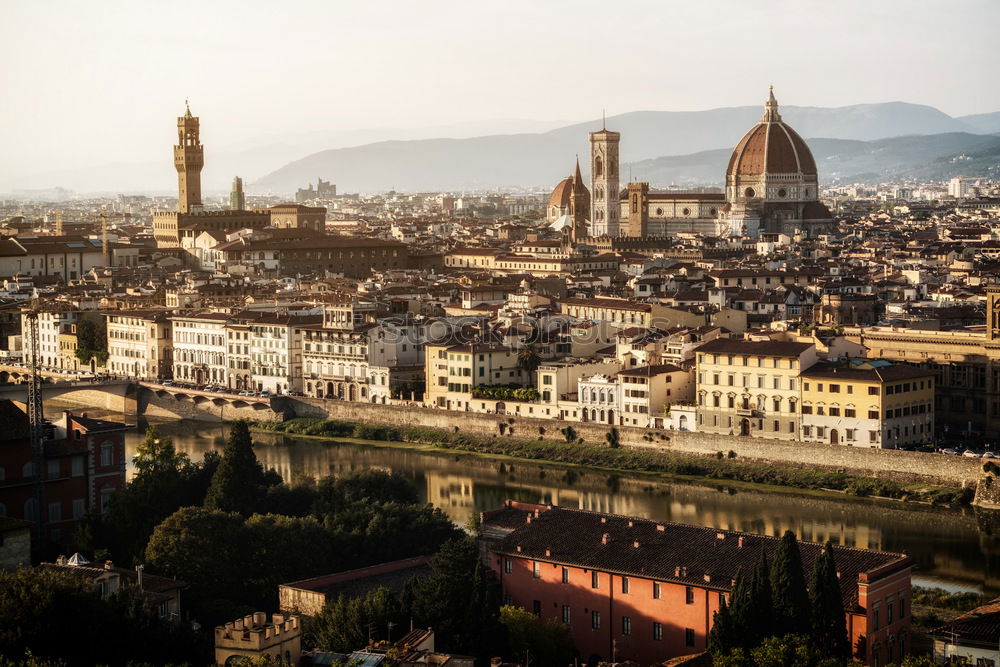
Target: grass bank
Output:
{"points": [[722, 467]]}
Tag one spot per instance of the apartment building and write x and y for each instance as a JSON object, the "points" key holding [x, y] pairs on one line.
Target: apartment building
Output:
{"points": [[635, 589], [647, 391], [454, 370], [140, 344], [276, 342], [751, 388], [199, 348], [868, 403], [51, 324]]}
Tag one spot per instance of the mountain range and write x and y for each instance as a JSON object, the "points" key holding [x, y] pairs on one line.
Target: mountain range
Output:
{"points": [[862, 142], [660, 147]]}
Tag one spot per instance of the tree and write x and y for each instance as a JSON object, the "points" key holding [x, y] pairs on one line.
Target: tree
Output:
{"points": [[787, 651], [370, 486], [613, 438], [722, 639], [156, 454], [760, 610], [92, 340], [460, 599], [528, 358], [344, 623], [829, 627], [546, 642], [238, 484], [788, 589]]}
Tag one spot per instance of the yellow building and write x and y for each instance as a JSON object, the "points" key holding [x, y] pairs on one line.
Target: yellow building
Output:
{"points": [[751, 388], [254, 636], [869, 404], [453, 370]]}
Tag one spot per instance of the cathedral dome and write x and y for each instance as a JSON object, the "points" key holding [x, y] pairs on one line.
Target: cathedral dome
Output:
{"points": [[771, 147], [562, 193]]}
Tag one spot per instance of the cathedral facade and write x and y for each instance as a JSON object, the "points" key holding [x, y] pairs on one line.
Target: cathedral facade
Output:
{"points": [[771, 186]]}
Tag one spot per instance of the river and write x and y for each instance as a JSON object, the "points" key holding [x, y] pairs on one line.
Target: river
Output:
{"points": [[951, 548]]}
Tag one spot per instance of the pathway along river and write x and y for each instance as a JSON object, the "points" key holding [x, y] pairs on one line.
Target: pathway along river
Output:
{"points": [[955, 549]]}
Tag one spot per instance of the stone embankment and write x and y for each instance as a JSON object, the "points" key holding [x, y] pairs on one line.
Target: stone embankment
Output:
{"points": [[901, 466]]}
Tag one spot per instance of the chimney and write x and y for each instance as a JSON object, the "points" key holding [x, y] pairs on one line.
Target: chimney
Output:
{"points": [[635, 545], [548, 553], [677, 571], [536, 512], [108, 564], [720, 536], [630, 523], [529, 518], [518, 548], [604, 538], [741, 542], [660, 527], [604, 519], [708, 577]]}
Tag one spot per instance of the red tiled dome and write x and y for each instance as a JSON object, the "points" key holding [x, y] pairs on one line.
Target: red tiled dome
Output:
{"points": [[560, 196], [771, 147]]}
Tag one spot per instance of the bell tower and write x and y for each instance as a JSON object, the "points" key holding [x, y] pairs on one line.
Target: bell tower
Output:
{"points": [[189, 158], [605, 208]]}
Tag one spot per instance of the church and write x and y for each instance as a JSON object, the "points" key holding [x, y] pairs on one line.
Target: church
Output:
{"points": [[771, 186]]}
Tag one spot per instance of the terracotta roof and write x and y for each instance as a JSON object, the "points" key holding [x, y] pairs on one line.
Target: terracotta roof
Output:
{"points": [[690, 555], [767, 348], [561, 194], [771, 147]]}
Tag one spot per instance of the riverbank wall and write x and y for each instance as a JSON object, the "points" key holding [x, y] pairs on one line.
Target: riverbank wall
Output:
{"points": [[901, 466]]}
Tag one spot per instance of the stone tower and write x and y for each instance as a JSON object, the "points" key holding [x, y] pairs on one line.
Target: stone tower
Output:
{"points": [[189, 158], [605, 209], [237, 200], [638, 210]]}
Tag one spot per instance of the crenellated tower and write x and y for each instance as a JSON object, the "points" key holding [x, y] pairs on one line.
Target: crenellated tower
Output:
{"points": [[189, 158]]}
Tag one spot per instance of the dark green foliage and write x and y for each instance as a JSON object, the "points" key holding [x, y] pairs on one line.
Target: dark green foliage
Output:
{"points": [[787, 651], [165, 481], [415, 388], [460, 600], [546, 642], [379, 532], [528, 358], [569, 433], [505, 392], [942, 599], [790, 600], [762, 603], [722, 638], [370, 486], [239, 483], [55, 615], [829, 627], [613, 438], [343, 624], [92, 339], [616, 458]]}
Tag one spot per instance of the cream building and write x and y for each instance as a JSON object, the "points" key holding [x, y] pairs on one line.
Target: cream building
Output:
{"points": [[199, 348], [140, 344], [751, 388]]}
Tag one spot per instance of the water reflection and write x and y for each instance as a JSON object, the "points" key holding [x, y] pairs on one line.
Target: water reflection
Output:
{"points": [[949, 546]]}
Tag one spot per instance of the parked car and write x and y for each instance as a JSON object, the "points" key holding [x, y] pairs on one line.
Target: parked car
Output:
{"points": [[969, 454], [990, 455], [168, 383], [950, 451]]}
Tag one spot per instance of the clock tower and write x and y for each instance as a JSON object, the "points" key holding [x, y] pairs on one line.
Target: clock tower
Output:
{"points": [[189, 158]]}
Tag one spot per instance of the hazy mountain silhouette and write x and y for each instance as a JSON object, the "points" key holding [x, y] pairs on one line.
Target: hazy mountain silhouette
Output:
{"points": [[544, 158]]}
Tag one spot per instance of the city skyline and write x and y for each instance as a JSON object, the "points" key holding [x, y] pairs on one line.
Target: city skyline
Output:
{"points": [[521, 69]]}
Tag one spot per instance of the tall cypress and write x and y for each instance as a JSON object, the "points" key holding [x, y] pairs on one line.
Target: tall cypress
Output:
{"points": [[761, 603], [788, 589], [721, 639], [829, 627], [238, 482], [739, 611]]}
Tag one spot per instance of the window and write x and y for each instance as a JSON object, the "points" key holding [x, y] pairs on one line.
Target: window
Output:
{"points": [[107, 453], [873, 391], [565, 575], [78, 508], [626, 626], [565, 614], [902, 606], [688, 637], [875, 618], [508, 567], [657, 631], [834, 388], [536, 607], [656, 590], [595, 580], [689, 595], [873, 413], [625, 585], [55, 512], [850, 413], [536, 570], [595, 620], [52, 467]]}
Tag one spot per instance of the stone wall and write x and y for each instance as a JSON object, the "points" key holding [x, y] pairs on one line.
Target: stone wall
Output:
{"points": [[899, 465], [148, 403]]}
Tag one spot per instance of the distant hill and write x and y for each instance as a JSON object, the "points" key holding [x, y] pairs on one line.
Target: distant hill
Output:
{"points": [[929, 157], [536, 159], [987, 123]]}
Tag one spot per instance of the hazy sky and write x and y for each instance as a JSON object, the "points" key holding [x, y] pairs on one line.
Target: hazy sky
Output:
{"points": [[94, 82]]}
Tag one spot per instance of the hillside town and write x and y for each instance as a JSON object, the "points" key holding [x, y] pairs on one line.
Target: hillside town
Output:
{"points": [[602, 421]]}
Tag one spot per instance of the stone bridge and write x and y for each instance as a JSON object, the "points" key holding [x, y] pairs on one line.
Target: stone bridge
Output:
{"points": [[99, 394], [159, 400]]}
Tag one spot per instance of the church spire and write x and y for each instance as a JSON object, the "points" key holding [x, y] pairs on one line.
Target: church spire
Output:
{"points": [[577, 176], [771, 114], [187, 109]]}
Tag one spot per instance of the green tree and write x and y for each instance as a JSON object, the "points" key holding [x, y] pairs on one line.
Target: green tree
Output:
{"points": [[528, 358], [239, 483], [613, 438], [790, 600], [546, 642], [722, 639], [460, 599], [92, 339], [334, 494], [344, 623], [787, 651], [760, 609], [829, 627]]}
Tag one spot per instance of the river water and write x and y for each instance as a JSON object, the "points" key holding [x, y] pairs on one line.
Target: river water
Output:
{"points": [[952, 548]]}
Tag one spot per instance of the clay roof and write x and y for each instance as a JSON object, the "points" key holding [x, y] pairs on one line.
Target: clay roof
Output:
{"points": [[561, 194], [768, 348], [771, 147]]}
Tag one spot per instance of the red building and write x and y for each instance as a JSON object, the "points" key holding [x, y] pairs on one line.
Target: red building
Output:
{"points": [[647, 591], [83, 464]]}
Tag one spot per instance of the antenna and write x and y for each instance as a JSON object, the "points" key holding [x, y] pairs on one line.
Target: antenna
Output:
{"points": [[604, 118]]}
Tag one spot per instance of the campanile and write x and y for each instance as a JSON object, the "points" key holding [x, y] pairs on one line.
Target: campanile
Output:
{"points": [[189, 158]]}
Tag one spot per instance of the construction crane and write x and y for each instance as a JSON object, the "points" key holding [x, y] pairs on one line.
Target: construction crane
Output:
{"points": [[36, 421]]}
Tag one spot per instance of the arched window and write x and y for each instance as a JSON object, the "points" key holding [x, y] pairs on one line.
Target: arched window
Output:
{"points": [[598, 166], [28, 470], [31, 509]]}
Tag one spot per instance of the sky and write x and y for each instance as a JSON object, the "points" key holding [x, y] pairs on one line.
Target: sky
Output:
{"points": [[102, 81]]}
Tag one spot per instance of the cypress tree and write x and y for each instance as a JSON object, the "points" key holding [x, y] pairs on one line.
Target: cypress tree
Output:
{"points": [[788, 589], [762, 607], [721, 638], [739, 610], [829, 627], [237, 485]]}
